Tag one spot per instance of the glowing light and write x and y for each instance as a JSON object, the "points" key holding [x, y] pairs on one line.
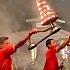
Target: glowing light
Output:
{"points": [[44, 2], [44, 14], [53, 16], [44, 6], [38, 4], [39, 9], [41, 17], [42, 22], [48, 18], [44, 10], [48, 7], [49, 13], [41, 13]]}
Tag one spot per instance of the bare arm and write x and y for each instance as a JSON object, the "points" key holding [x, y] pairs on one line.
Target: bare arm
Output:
{"points": [[22, 42], [63, 44], [26, 38]]}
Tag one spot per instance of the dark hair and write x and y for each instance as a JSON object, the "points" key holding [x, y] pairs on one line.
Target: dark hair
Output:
{"points": [[2, 39], [48, 42]]}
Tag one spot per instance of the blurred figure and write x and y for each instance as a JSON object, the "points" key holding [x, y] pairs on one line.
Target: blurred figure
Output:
{"points": [[7, 49], [51, 59], [33, 53]]}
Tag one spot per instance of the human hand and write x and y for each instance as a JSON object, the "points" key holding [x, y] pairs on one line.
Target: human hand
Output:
{"points": [[34, 31], [61, 66]]}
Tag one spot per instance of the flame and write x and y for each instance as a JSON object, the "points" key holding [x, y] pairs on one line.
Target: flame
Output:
{"points": [[46, 12]]}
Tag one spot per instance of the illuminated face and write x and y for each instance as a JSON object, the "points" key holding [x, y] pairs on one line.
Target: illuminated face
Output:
{"points": [[53, 44]]}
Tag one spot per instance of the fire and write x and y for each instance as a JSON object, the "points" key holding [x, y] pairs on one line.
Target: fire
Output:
{"points": [[47, 14]]}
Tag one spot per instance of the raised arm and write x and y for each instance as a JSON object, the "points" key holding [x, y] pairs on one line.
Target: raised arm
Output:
{"points": [[63, 44], [26, 38]]}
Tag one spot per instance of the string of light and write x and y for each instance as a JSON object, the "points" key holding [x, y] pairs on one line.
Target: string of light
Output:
{"points": [[46, 13]]}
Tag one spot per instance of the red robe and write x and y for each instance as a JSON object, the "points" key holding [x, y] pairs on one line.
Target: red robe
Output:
{"points": [[51, 60], [5, 58]]}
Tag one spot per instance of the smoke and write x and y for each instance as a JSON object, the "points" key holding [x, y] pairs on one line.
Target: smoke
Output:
{"points": [[13, 15], [62, 7]]}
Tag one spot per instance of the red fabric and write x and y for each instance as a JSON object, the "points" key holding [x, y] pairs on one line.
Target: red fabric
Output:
{"points": [[51, 60], [5, 58]]}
